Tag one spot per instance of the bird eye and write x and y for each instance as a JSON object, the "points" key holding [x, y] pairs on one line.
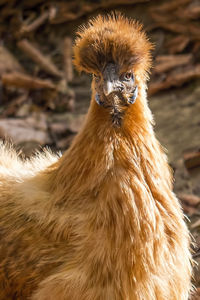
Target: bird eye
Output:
{"points": [[128, 75], [96, 77]]}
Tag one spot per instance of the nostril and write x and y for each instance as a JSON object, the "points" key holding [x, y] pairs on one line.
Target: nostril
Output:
{"points": [[121, 87]]}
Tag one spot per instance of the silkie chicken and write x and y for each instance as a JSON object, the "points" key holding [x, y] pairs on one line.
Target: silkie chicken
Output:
{"points": [[101, 222]]}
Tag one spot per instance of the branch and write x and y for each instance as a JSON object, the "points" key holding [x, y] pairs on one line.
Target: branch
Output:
{"points": [[178, 44], [25, 81], [68, 58], [167, 62], [44, 61], [175, 79], [35, 24], [192, 159]]}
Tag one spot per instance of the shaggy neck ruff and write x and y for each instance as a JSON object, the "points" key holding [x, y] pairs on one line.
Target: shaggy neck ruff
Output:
{"points": [[129, 219], [114, 185], [104, 147]]}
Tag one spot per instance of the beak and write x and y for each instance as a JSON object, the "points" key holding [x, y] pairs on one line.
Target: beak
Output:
{"points": [[108, 88]]}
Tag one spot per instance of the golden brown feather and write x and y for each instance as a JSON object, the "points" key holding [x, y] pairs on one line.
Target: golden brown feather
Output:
{"points": [[101, 222]]}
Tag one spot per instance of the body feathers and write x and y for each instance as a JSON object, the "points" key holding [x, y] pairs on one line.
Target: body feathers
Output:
{"points": [[101, 222]]}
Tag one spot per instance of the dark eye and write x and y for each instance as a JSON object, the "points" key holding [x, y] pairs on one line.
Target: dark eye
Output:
{"points": [[96, 77], [128, 76]]}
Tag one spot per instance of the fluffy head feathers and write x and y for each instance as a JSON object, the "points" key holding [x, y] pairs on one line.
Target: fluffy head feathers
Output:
{"points": [[112, 38]]}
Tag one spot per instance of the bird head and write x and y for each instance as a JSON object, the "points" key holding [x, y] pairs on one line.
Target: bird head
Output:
{"points": [[117, 52]]}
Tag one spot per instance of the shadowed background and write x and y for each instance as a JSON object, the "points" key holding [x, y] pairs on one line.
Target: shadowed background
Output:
{"points": [[43, 101]]}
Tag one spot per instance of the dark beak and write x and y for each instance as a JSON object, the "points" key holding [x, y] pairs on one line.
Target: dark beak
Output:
{"points": [[108, 87], [110, 77]]}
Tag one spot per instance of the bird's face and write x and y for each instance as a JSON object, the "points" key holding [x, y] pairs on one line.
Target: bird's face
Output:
{"points": [[115, 91]]}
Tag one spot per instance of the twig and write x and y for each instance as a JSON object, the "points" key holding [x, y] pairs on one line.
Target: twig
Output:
{"points": [[35, 24], [192, 159], [189, 199], [191, 30], [175, 79], [196, 224], [8, 62], [25, 81], [178, 44], [68, 58], [190, 12], [12, 107], [44, 62], [167, 62], [170, 5], [71, 10]]}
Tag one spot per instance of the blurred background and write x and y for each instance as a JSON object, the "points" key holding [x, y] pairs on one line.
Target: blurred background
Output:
{"points": [[43, 100]]}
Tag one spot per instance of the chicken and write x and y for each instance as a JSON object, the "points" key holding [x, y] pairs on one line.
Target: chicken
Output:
{"points": [[101, 222]]}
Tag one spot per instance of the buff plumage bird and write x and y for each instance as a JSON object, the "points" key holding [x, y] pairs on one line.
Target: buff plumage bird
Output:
{"points": [[101, 222]]}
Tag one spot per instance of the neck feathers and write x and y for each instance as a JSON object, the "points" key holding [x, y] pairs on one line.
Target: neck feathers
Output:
{"points": [[100, 147]]}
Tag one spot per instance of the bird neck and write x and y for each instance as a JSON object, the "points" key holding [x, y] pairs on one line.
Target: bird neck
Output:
{"points": [[136, 119], [100, 149]]}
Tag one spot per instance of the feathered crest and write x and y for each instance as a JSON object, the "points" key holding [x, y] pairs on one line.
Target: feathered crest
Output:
{"points": [[112, 38]]}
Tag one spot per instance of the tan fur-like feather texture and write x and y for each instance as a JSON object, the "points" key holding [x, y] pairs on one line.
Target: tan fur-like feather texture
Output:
{"points": [[101, 222], [112, 38]]}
